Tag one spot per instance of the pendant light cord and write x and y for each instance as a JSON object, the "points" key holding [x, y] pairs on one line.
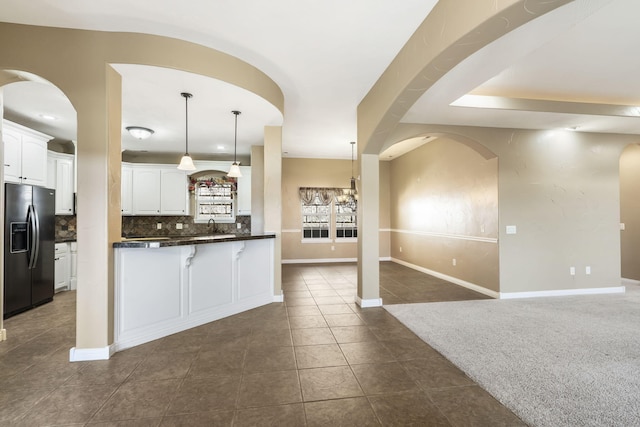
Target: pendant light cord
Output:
{"points": [[186, 96], [235, 140]]}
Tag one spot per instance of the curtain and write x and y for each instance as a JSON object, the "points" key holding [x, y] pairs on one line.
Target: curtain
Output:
{"points": [[325, 195], [308, 195]]}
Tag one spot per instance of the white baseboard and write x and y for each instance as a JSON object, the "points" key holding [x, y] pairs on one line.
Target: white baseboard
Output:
{"points": [[563, 292], [3, 334], [368, 303], [460, 282], [326, 260], [278, 298], [88, 354], [318, 260]]}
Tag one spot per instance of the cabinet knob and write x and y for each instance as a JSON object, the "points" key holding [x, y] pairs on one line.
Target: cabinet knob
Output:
{"points": [[7, 165]]}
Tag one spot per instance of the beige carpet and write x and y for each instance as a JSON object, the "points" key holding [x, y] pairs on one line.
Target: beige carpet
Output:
{"points": [[561, 361]]}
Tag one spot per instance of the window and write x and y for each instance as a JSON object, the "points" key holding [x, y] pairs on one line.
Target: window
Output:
{"points": [[346, 219], [316, 219], [327, 217]]}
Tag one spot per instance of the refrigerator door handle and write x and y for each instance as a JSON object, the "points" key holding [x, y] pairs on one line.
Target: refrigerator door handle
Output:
{"points": [[34, 223]]}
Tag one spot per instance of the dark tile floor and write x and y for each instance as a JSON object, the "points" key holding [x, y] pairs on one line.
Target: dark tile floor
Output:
{"points": [[316, 360]]}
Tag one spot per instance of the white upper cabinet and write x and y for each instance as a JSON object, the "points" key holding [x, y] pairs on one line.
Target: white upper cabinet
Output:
{"points": [[60, 171], [126, 194], [244, 191], [146, 190], [25, 154], [174, 191], [154, 190]]}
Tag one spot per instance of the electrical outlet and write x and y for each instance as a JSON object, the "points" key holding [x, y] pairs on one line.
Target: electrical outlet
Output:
{"points": [[454, 262], [333, 248], [400, 248], [159, 226], [587, 269], [572, 271], [238, 226], [179, 226]]}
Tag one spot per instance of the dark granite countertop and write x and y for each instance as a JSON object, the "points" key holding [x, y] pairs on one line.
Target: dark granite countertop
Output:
{"points": [[160, 242], [65, 239]]}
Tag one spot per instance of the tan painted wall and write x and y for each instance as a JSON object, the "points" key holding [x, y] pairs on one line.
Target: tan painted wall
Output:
{"points": [[444, 202], [561, 190], [629, 209], [298, 173]]}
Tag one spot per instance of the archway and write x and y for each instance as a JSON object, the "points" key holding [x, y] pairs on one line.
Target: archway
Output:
{"points": [[444, 210], [38, 115]]}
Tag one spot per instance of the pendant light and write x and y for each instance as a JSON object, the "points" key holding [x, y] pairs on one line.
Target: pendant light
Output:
{"points": [[234, 170], [352, 190], [186, 163]]}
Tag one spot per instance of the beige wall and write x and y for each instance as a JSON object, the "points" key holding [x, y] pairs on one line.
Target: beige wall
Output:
{"points": [[561, 191], [444, 206], [629, 209], [333, 173]]}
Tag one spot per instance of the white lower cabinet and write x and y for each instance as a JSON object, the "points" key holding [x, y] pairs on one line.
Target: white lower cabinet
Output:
{"points": [[62, 267], [73, 280], [161, 291]]}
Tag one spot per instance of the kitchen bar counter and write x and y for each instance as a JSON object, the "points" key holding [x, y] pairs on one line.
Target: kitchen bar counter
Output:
{"points": [[165, 241], [168, 285]]}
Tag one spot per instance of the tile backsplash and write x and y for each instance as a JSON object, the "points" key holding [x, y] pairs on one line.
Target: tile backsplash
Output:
{"points": [[65, 227], [148, 226]]}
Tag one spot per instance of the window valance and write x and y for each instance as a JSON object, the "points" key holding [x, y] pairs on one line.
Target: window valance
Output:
{"points": [[325, 195]]}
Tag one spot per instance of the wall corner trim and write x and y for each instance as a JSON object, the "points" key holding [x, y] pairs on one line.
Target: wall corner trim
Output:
{"points": [[3, 334], [563, 292], [89, 354], [368, 303], [278, 298]]}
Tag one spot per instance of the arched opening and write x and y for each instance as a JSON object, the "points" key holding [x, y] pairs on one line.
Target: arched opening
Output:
{"points": [[443, 201], [39, 129]]}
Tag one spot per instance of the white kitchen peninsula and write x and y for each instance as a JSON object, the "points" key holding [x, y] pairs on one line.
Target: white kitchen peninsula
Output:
{"points": [[164, 286]]}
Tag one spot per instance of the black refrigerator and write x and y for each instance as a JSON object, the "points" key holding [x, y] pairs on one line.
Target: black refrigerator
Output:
{"points": [[29, 247]]}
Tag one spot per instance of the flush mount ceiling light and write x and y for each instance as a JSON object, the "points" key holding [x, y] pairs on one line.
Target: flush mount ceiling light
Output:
{"points": [[234, 170], [186, 163], [139, 132]]}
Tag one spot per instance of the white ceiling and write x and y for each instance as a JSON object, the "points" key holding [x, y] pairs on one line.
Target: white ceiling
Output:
{"points": [[326, 55]]}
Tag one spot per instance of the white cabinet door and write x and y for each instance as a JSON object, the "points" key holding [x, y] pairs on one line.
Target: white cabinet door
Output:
{"points": [[12, 151], [25, 154], [174, 191], [61, 266], [60, 177], [146, 190], [64, 186], [34, 161], [73, 275], [244, 191], [126, 190]]}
